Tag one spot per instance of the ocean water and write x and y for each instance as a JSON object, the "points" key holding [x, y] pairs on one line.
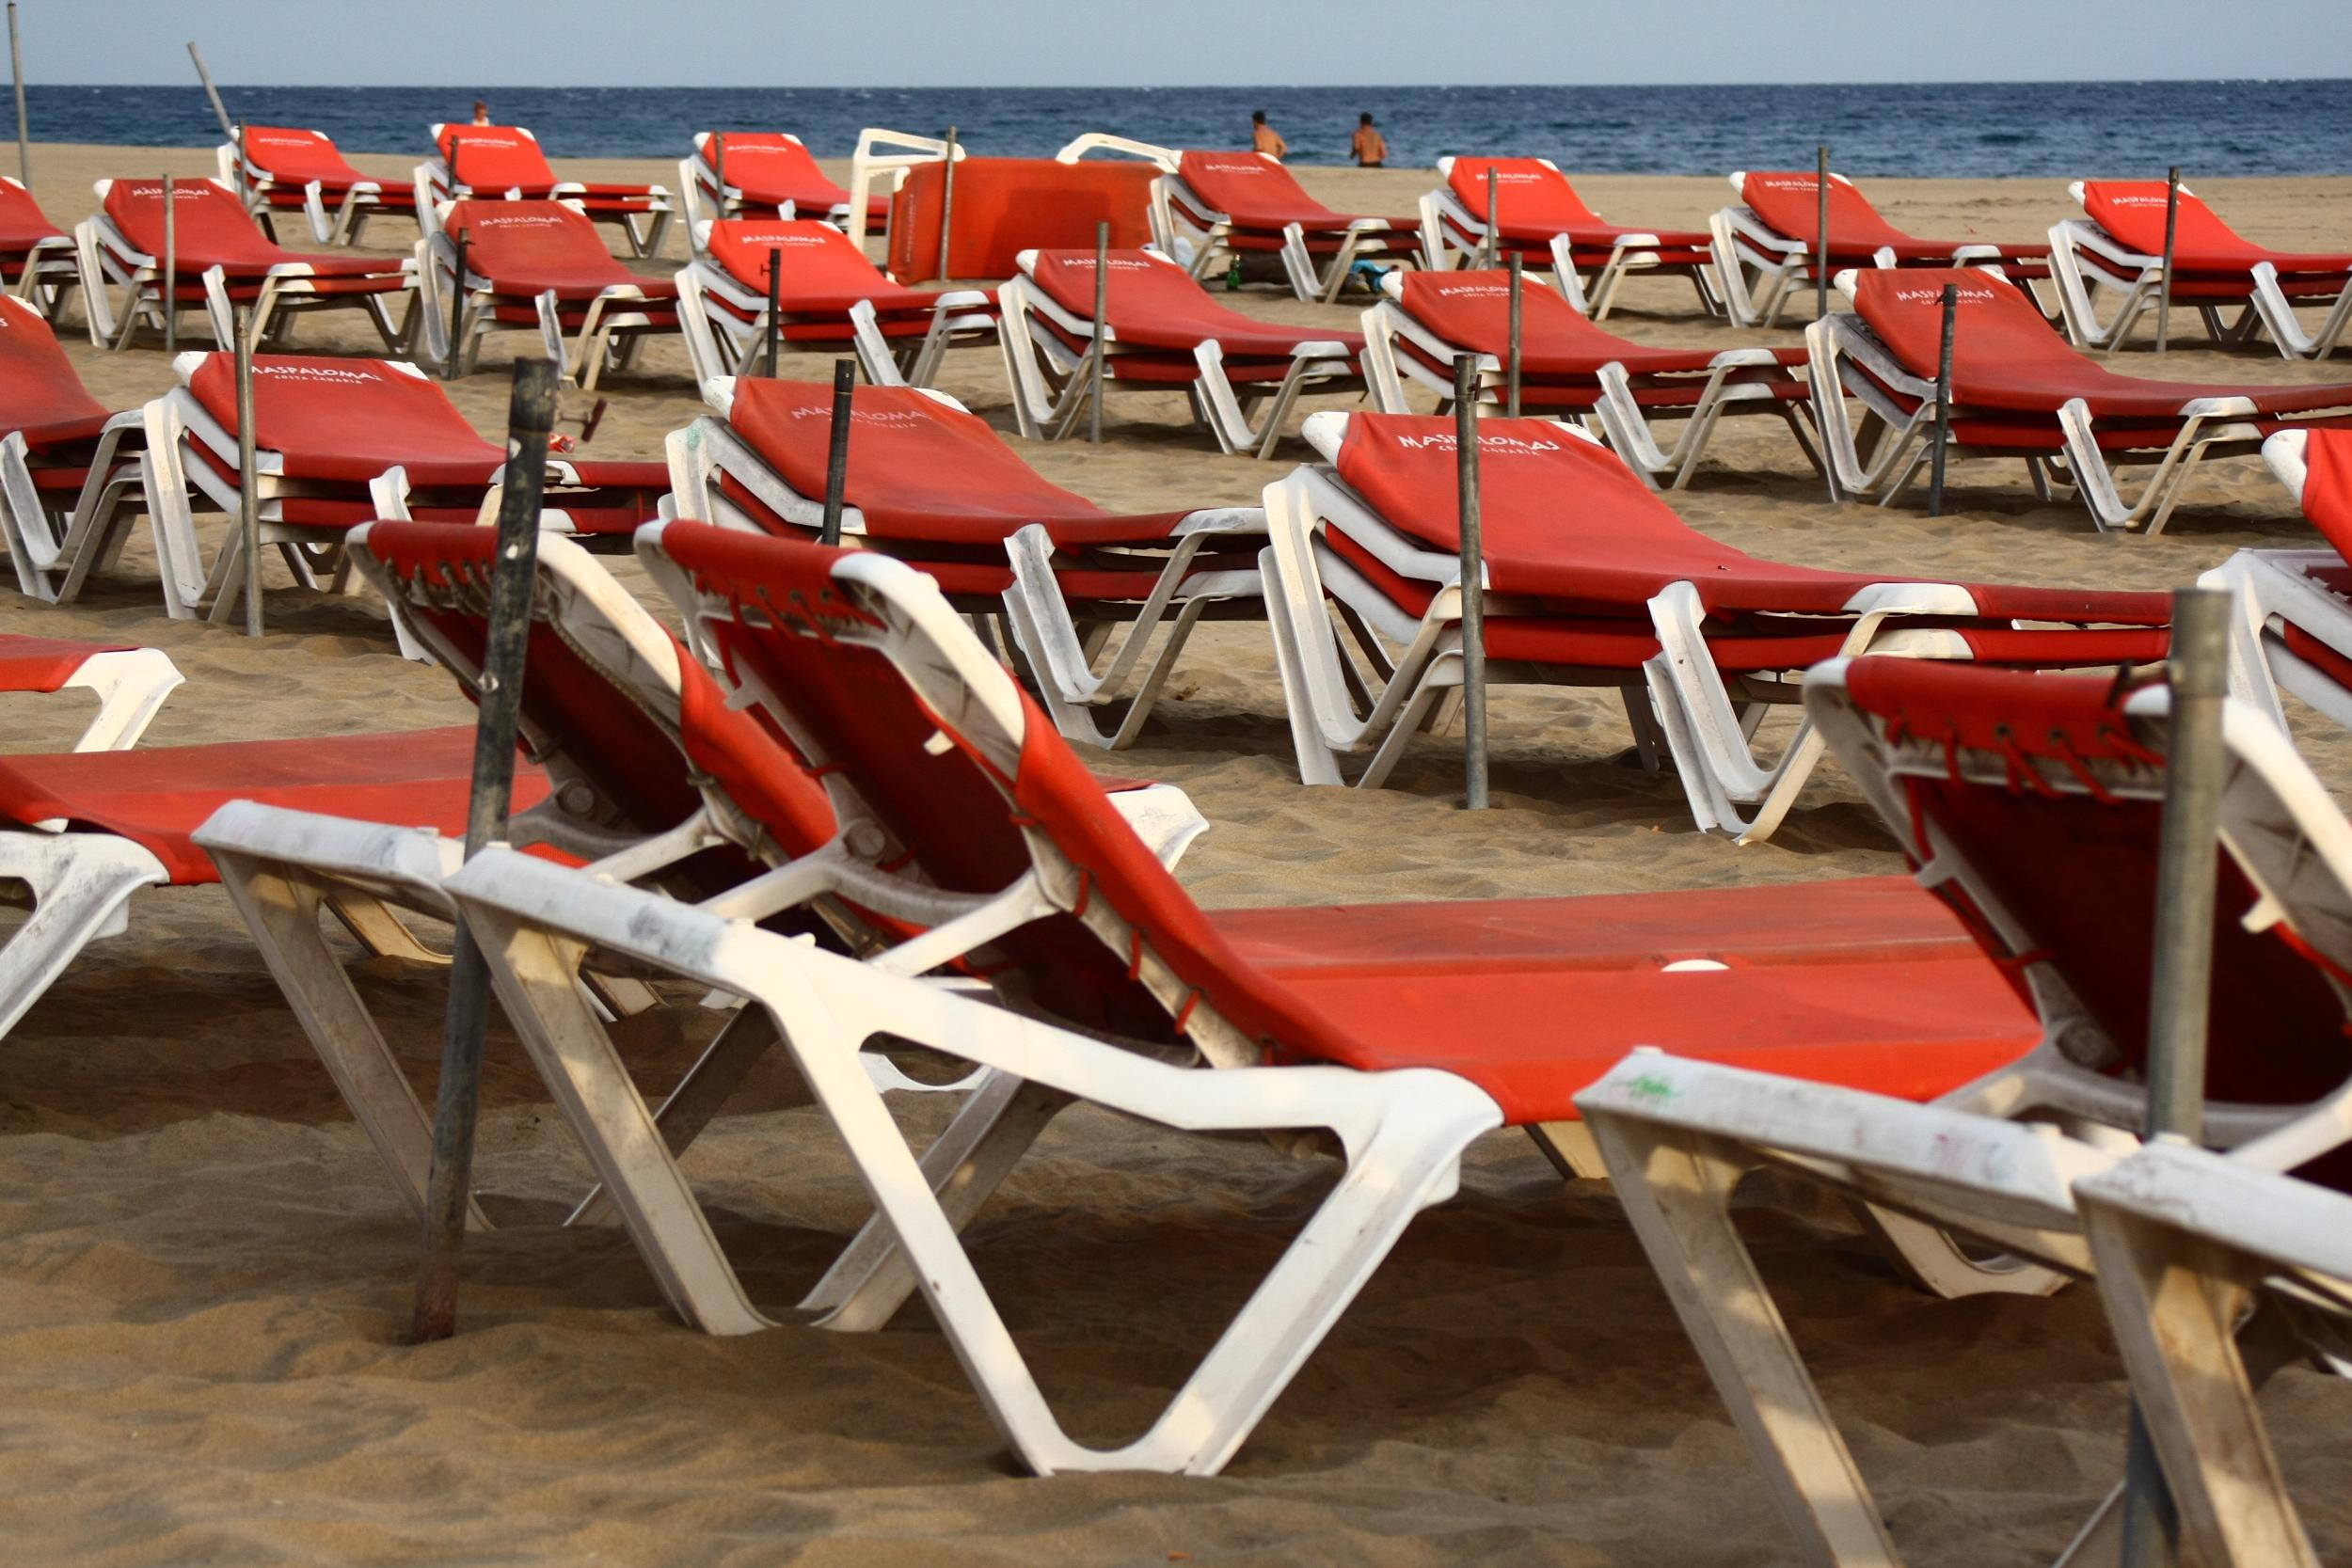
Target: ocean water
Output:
{"points": [[2059, 129]]}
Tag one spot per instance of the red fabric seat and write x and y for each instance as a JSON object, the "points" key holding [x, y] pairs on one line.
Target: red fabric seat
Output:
{"points": [[294, 156], [347, 421], [1788, 203], [157, 797], [1472, 310], [41, 394], [1256, 192], [488, 158], [2006, 357], [211, 230], [22, 224], [771, 169], [1154, 305], [2133, 212], [1537, 203], [528, 247], [46, 663]]}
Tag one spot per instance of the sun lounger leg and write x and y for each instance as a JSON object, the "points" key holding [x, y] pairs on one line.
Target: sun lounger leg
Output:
{"points": [[81, 886]]}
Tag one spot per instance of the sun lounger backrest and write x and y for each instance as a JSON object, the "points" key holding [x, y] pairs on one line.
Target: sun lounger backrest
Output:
{"points": [[1533, 195], [1251, 189], [1789, 201], [2001, 341], [211, 224], [21, 221], [610, 698], [2133, 212], [350, 419], [1152, 302], [820, 267], [918, 469], [2051, 791], [772, 168], [40, 392], [1472, 310], [494, 157], [296, 156], [879, 676], [529, 237]]}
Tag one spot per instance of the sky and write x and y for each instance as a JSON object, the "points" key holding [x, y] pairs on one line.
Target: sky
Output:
{"points": [[1174, 43]]}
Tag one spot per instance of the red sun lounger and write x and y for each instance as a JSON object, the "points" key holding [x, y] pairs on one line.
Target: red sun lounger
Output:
{"points": [[2117, 249], [1378, 1025], [1569, 367], [1217, 208], [829, 298], [651, 777], [1767, 248], [37, 259], [503, 161], [1165, 332], [770, 174], [339, 443], [83, 830], [287, 169], [1591, 579], [2020, 391], [222, 262], [2033, 807], [539, 266], [1547, 224], [933, 485], [2293, 631], [130, 683], [71, 479]]}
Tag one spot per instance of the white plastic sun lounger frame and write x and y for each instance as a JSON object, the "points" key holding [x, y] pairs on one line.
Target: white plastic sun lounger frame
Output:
{"points": [[2185, 1241], [1403, 1132], [2276, 589], [1074, 681], [1679, 697], [1452, 237], [108, 262], [645, 230], [130, 685], [1678, 1135], [51, 267], [54, 550], [2088, 264], [1051, 391], [611, 329], [2217, 427], [1617, 415], [255, 185]]}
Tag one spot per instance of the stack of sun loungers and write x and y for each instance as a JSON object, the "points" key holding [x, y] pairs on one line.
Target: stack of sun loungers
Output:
{"points": [[770, 174], [503, 161], [284, 169], [1543, 220]]}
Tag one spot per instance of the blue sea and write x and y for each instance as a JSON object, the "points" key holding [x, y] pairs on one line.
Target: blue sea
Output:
{"points": [[2057, 129]]}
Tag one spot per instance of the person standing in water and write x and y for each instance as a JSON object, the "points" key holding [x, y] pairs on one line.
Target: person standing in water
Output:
{"points": [[1371, 148], [1266, 138]]}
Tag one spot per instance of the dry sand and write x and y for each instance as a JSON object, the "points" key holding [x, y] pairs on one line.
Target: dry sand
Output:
{"points": [[203, 1278]]}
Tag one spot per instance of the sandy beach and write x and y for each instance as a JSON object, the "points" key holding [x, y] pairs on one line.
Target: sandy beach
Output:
{"points": [[204, 1276]]}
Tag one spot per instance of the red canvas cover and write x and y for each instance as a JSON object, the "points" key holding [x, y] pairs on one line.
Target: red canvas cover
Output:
{"points": [[1154, 304], [821, 270], [1007, 205], [2133, 212], [156, 797], [920, 471], [40, 392], [1561, 519], [527, 247], [21, 221], [2005, 356], [294, 156], [1537, 203], [348, 420], [1788, 203], [1472, 310], [495, 158], [212, 229], [2327, 486], [1256, 192], [771, 169], [46, 663]]}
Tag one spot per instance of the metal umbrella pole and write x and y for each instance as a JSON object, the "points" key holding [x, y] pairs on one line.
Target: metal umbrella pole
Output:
{"points": [[1943, 401], [1096, 350], [1821, 232], [2163, 281], [947, 203], [249, 503], [1511, 372], [1473, 585], [23, 134], [210, 91], [837, 450], [167, 290]]}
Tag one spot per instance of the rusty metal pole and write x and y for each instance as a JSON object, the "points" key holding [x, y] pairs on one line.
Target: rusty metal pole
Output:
{"points": [[1473, 585], [837, 450], [719, 173], [249, 503], [24, 134], [2163, 281], [1511, 372], [529, 419], [168, 291], [457, 355], [1943, 401], [775, 325], [947, 203], [1102, 332], [210, 91], [1821, 232], [1494, 217]]}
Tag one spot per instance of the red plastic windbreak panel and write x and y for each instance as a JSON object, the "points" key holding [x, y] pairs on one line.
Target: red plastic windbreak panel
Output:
{"points": [[1154, 305], [40, 392], [820, 269], [21, 221], [527, 247], [2133, 212], [157, 797], [1472, 310], [2005, 356], [46, 663], [347, 421], [2327, 486], [772, 168], [920, 471], [212, 229], [1007, 205]]}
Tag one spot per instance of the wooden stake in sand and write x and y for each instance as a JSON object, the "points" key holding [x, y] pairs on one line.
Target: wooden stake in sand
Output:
{"points": [[23, 137], [248, 505], [837, 450], [2182, 972], [1511, 372], [1821, 232], [774, 320], [1942, 401], [529, 419], [1473, 583], [947, 203], [454, 358], [168, 286], [210, 92], [2164, 279], [719, 172], [1102, 332], [1494, 219]]}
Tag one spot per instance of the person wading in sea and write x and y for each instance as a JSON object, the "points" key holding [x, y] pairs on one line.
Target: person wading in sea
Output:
{"points": [[1371, 148], [1266, 138]]}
